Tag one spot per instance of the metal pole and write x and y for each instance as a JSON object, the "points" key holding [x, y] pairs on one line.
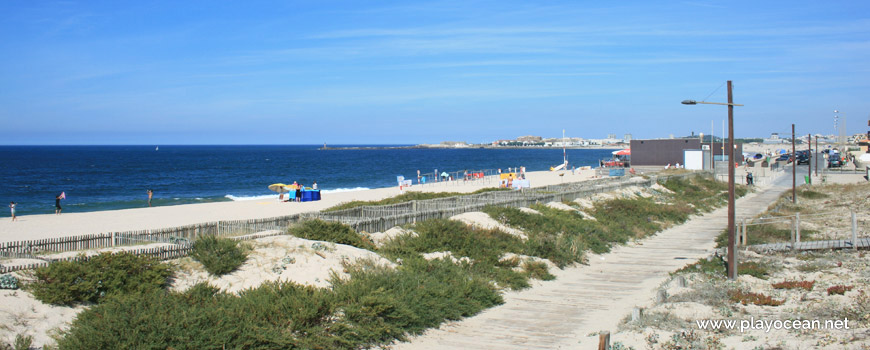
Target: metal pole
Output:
{"points": [[810, 154], [732, 261], [793, 169]]}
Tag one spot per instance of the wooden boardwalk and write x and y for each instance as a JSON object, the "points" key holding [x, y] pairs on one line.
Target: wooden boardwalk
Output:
{"points": [[863, 242], [585, 299]]}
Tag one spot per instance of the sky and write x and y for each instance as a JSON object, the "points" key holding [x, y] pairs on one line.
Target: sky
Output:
{"points": [[409, 72]]}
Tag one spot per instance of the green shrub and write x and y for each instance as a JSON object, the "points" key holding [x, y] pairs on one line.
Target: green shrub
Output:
{"points": [[8, 281], [409, 196], [714, 266], [753, 269], [219, 256], [557, 235], [462, 240], [810, 194], [484, 247], [335, 232], [101, 276], [375, 306], [538, 270]]}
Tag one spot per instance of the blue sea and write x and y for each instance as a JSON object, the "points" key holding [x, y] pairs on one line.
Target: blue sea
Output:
{"points": [[117, 177]]}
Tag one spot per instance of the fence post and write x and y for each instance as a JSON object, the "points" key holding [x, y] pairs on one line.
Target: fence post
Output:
{"points": [[797, 227], [604, 340], [113, 239], [792, 234], [854, 231], [743, 234]]}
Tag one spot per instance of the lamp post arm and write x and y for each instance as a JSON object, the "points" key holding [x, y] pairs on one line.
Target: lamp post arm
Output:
{"points": [[719, 103]]}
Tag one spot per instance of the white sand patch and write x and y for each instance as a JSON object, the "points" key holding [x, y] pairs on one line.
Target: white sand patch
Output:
{"points": [[279, 258], [565, 207], [561, 206], [445, 255], [525, 258], [660, 188], [381, 238], [21, 313], [584, 203], [530, 211], [690, 310], [484, 221]]}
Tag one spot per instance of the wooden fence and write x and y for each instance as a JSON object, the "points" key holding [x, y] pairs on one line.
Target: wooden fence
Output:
{"points": [[367, 218]]}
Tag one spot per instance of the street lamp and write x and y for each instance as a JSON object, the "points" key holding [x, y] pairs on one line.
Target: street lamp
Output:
{"points": [[732, 239]]}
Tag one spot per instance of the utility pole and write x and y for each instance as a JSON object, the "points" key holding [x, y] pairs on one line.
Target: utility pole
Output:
{"points": [[793, 169], [810, 154], [817, 158], [732, 239]]}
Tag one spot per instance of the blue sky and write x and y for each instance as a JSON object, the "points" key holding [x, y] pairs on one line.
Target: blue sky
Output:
{"points": [[381, 72]]}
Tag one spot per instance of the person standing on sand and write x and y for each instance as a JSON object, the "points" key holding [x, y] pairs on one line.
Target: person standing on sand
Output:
{"points": [[57, 207], [314, 186], [299, 192], [12, 208], [150, 194]]}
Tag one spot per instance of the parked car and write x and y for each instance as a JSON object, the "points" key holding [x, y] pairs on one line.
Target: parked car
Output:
{"points": [[834, 161], [803, 158]]}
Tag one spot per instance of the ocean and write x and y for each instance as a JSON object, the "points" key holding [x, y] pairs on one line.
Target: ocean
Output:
{"points": [[117, 177]]}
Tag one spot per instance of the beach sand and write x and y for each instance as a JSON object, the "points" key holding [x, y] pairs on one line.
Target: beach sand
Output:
{"points": [[32, 227]]}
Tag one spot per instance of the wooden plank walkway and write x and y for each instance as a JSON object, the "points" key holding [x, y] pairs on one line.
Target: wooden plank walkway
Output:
{"points": [[863, 242], [585, 299]]}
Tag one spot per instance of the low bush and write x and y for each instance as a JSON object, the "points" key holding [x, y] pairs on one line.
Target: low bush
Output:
{"points": [[557, 235], [810, 194], [219, 256], [409, 196], [714, 266], [375, 306], [101, 276], [805, 285], [753, 269], [538, 270], [839, 289], [746, 298], [484, 247], [331, 232]]}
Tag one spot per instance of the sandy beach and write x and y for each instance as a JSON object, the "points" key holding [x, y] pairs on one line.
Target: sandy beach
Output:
{"points": [[31, 227]]}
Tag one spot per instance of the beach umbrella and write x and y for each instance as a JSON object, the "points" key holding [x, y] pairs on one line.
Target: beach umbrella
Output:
{"points": [[280, 188], [445, 174], [622, 152]]}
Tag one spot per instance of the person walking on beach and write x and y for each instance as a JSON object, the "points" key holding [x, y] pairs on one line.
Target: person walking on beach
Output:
{"points": [[12, 208], [57, 199], [150, 194]]}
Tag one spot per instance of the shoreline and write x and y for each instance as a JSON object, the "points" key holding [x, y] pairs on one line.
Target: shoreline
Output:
{"points": [[45, 226]]}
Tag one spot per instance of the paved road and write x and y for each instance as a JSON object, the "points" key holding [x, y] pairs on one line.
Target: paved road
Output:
{"points": [[560, 314]]}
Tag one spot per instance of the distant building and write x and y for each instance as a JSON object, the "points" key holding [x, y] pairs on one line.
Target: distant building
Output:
{"points": [[671, 151], [626, 138], [611, 136], [530, 139], [774, 139]]}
